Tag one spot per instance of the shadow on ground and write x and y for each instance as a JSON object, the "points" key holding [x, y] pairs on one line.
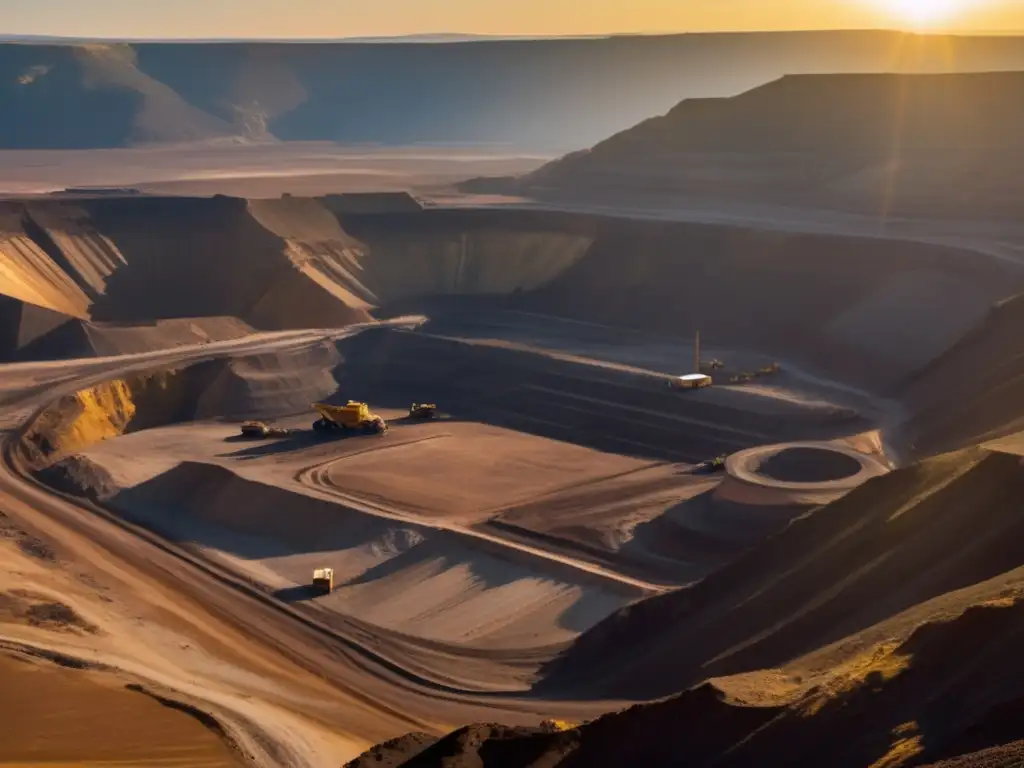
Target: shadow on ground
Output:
{"points": [[297, 594]]}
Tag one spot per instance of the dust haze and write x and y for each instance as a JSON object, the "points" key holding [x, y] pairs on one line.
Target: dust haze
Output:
{"points": [[701, 446]]}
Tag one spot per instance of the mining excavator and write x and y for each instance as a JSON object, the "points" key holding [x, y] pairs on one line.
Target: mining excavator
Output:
{"points": [[351, 417], [711, 466], [424, 411]]}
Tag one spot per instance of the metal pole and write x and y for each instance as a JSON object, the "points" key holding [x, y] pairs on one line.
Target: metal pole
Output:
{"points": [[696, 353]]}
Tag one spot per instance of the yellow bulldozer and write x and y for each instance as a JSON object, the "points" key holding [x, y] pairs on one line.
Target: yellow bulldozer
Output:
{"points": [[351, 417]]}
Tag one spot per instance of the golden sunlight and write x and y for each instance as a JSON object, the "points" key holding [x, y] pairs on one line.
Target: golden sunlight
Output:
{"points": [[925, 13]]}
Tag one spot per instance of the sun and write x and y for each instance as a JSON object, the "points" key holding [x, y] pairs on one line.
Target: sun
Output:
{"points": [[925, 13]]}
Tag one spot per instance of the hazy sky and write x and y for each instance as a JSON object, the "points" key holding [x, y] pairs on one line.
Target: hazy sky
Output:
{"points": [[345, 18]]}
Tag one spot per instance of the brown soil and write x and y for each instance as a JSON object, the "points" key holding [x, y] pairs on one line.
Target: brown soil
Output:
{"points": [[393, 753], [72, 717], [809, 465], [900, 706], [974, 391], [40, 611], [548, 550], [824, 140], [817, 582]]}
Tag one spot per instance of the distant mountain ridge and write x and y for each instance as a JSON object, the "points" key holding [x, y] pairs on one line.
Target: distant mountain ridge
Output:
{"points": [[543, 94], [923, 142]]}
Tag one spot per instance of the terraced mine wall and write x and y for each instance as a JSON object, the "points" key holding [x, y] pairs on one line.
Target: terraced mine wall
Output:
{"points": [[255, 386], [867, 312], [847, 307], [603, 408]]}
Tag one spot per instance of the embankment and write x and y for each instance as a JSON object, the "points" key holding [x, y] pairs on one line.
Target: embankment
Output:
{"points": [[257, 386], [601, 407], [975, 391], [846, 307], [871, 566], [950, 691], [414, 579], [806, 474]]}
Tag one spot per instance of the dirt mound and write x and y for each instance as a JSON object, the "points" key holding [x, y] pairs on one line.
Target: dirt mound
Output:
{"points": [[79, 476], [393, 753], [972, 393]]}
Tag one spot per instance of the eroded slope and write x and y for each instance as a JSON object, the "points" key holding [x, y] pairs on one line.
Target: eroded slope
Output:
{"points": [[887, 556], [935, 142], [975, 391]]}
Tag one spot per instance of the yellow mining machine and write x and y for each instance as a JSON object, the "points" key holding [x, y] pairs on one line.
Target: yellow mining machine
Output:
{"points": [[351, 417], [423, 411], [323, 580]]}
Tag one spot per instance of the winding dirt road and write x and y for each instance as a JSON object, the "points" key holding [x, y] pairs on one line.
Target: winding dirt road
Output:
{"points": [[290, 690]]}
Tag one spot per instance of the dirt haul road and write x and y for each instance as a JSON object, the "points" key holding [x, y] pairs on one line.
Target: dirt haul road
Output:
{"points": [[288, 690]]}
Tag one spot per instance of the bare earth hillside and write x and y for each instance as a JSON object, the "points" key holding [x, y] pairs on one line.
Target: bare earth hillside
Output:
{"points": [[896, 144], [539, 94], [544, 548]]}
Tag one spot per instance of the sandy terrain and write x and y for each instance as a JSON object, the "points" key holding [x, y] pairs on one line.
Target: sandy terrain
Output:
{"points": [[382, 514], [245, 689], [63, 717], [796, 473], [548, 551], [253, 170], [1003, 240], [372, 680]]}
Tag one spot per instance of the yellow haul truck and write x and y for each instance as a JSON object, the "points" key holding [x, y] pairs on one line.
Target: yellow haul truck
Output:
{"points": [[352, 417]]}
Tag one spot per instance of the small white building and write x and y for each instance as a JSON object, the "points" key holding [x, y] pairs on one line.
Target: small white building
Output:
{"points": [[690, 381]]}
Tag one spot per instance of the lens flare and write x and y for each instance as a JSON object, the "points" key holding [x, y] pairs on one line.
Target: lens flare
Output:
{"points": [[925, 13]]}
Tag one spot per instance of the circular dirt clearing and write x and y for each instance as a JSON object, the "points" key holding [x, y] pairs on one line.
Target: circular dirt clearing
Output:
{"points": [[809, 465], [795, 474]]}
